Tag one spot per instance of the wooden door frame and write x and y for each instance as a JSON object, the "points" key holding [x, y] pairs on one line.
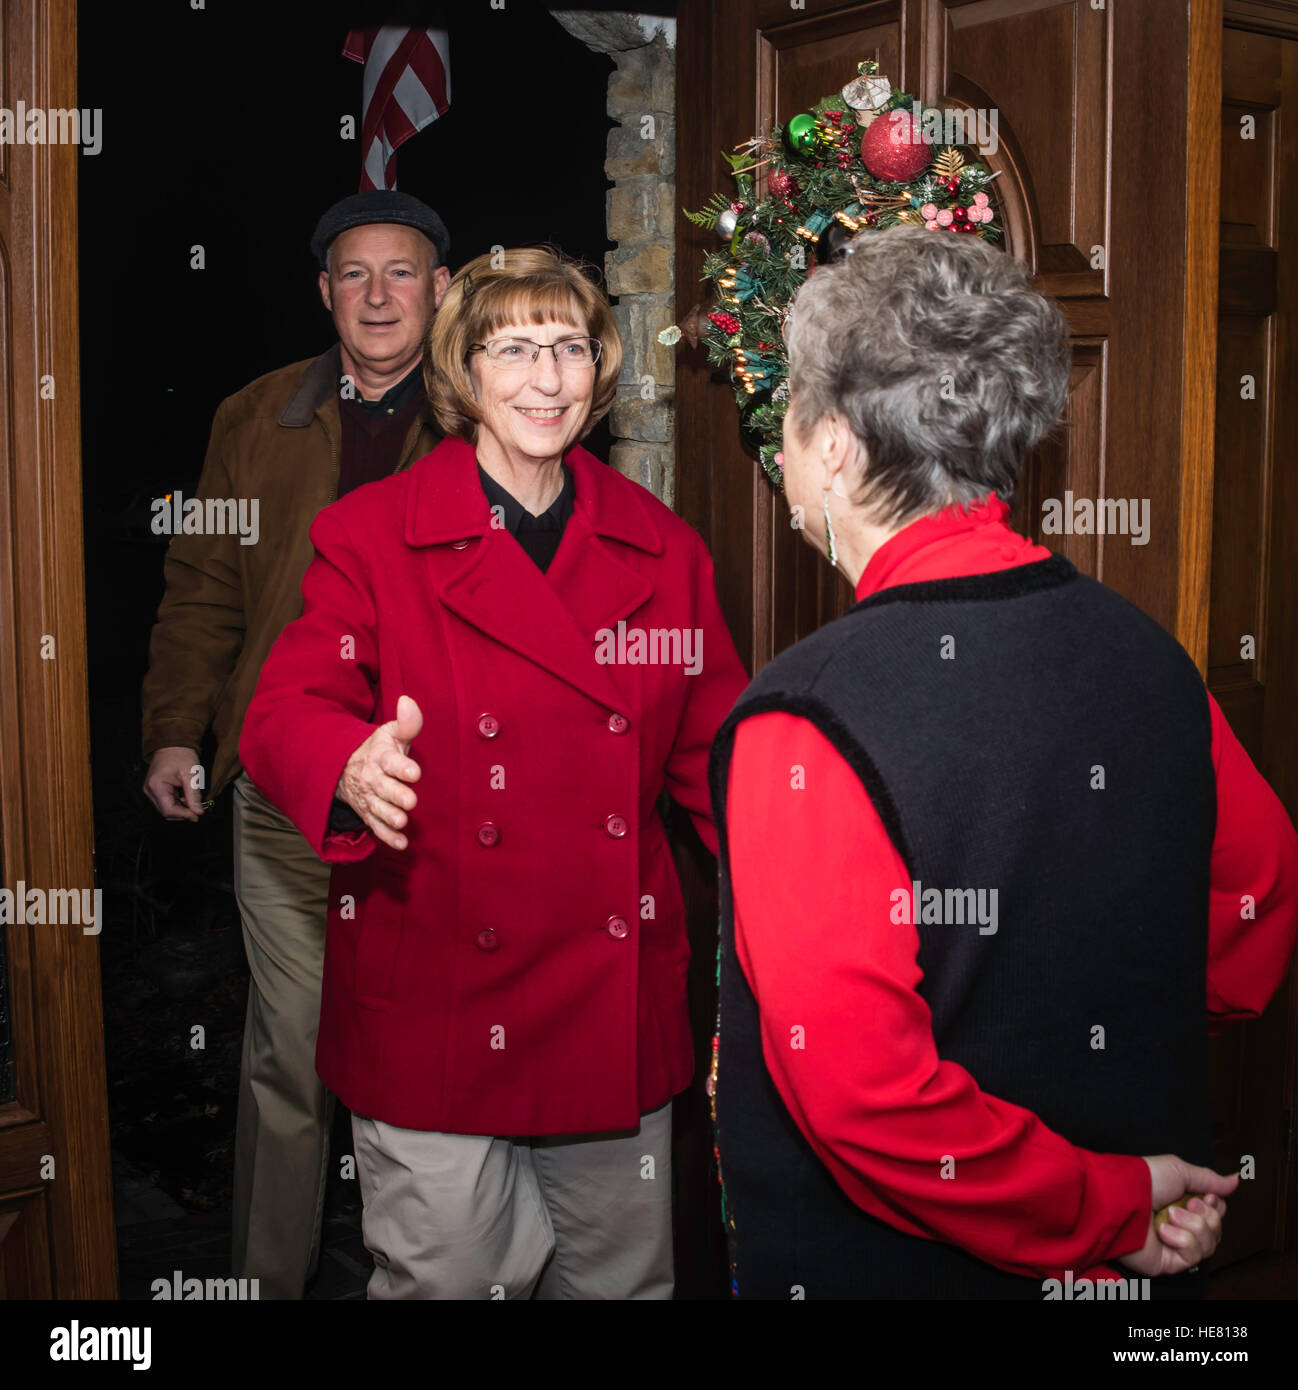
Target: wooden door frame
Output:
{"points": [[1199, 360], [46, 815], [1278, 18]]}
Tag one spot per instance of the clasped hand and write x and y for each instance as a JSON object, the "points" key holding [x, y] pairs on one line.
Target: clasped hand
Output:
{"points": [[1192, 1230]]}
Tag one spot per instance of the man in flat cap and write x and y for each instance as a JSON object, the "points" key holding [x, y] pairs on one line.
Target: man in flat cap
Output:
{"points": [[295, 440]]}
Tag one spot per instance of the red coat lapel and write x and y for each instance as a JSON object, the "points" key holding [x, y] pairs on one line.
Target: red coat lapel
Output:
{"points": [[554, 618]]}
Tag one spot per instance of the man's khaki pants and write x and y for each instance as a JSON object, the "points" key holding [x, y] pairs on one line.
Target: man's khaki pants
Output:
{"points": [[281, 1144], [481, 1217]]}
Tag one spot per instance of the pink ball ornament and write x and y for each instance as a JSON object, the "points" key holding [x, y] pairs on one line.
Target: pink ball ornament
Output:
{"points": [[944, 218], [932, 224], [928, 211], [980, 200], [894, 148]]}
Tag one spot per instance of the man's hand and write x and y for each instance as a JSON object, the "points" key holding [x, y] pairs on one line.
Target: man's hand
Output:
{"points": [[1192, 1231], [172, 770], [372, 783]]}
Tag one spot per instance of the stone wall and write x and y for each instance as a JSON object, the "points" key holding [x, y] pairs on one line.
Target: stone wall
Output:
{"points": [[641, 212]]}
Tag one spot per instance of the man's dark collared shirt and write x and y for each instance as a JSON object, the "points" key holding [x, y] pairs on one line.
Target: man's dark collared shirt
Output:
{"points": [[374, 431]]}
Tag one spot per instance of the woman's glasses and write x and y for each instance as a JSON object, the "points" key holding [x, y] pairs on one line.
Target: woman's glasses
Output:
{"points": [[516, 354]]}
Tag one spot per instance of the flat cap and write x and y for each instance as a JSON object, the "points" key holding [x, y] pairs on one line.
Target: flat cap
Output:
{"points": [[379, 205]]}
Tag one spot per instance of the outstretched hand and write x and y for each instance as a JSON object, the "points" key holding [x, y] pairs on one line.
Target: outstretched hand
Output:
{"points": [[373, 780]]}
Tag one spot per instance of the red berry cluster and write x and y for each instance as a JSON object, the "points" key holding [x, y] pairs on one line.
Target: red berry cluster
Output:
{"points": [[727, 323], [843, 153]]}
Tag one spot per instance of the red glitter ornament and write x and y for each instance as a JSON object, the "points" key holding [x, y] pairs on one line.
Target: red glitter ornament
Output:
{"points": [[782, 185], [894, 148]]}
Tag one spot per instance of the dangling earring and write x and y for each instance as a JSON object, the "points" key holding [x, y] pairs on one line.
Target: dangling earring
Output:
{"points": [[829, 529]]}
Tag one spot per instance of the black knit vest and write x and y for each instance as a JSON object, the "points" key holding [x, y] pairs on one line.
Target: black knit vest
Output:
{"points": [[981, 714]]}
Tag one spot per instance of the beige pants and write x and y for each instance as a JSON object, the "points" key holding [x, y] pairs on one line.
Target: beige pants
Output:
{"points": [[281, 1143], [471, 1216]]}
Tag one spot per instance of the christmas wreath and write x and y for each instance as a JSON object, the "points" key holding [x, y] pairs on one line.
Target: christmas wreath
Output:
{"points": [[860, 161]]}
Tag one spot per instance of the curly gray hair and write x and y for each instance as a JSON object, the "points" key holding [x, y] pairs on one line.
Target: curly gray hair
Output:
{"points": [[943, 361]]}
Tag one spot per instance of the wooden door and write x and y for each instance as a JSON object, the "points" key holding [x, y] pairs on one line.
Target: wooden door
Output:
{"points": [[1253, 619], [1110, 224], [1115, 213], [56, 1216]]}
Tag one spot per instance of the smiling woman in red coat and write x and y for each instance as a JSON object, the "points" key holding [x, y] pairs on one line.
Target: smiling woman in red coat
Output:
{"points": [[507, 652]]}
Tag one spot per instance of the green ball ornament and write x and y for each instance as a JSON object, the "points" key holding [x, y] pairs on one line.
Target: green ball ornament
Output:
{"points": [[800, 133]]}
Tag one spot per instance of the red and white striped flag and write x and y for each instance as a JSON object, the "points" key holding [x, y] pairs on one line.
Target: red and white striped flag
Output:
{"points": [[407, 86]]}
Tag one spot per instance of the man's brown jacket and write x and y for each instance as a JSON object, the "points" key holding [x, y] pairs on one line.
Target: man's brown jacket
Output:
{"points": [[278, 441]]}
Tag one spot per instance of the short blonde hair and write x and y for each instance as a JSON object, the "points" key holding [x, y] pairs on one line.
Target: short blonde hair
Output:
{"points": [[528, 284]]}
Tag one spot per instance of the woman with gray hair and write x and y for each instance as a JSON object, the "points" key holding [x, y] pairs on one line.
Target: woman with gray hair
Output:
{"points": [[957, 1007]]}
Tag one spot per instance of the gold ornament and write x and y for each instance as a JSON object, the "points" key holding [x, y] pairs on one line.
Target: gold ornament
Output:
{"points": [[948, 164]]}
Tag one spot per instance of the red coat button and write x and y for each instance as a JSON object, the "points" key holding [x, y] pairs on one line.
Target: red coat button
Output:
{"points": [[615, 825], [618, 723], [459, 545], [488, 725], [487, 940], [488, 834], [617, 927]]}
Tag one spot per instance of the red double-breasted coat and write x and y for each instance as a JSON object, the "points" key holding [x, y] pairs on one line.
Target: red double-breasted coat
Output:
{"points": [[520, 967]]}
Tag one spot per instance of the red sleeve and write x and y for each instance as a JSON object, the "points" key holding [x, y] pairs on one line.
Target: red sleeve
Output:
{"points": [[314, 702], [713, 687], [1253, 899], [866, 1085]]}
